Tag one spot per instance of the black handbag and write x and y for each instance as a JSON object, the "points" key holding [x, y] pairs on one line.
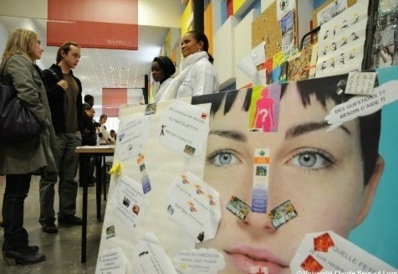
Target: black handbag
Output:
{"points": [[17, 123]]}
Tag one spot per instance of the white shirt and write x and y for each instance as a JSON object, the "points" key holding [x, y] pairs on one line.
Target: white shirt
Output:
{"points": [[105, 135], [200, 79], [162, 89]]}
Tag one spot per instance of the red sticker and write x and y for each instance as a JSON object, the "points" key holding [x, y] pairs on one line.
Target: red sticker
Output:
{"points": [[323, 242], [311, 265]]}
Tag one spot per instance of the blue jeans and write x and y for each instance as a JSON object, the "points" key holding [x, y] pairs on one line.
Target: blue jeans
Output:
{"points": [[17, 189], [67, 161]]}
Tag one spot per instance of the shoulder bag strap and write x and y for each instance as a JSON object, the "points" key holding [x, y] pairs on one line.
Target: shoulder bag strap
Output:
{"points": [[55, 75]]}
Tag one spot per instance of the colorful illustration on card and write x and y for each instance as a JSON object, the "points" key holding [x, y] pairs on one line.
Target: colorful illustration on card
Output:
{"points": [[238, 207], [150, 109], [260, 180], [110, 232], [264, 108], [311, 265], [282, 214], [323, 242], [288, 35], [146, 183]]}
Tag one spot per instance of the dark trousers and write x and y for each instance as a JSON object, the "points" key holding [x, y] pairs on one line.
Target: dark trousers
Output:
{"points": [[17, 188], [93, 163]]}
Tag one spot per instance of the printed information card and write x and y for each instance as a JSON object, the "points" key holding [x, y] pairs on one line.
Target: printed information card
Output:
{"points": [[184, 128], [194, 206], [327, 252], [199, 261]]}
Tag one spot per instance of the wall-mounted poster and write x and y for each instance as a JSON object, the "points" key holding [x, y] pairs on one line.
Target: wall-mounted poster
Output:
{"points": [[316, 193]]}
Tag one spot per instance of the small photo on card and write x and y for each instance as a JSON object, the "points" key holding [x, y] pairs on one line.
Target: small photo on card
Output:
{"points": [[238, 207], [150, 109], [282, 214], [110, 232]]}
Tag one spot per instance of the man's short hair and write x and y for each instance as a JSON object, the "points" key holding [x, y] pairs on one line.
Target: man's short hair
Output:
{"points": [[65, 47]]}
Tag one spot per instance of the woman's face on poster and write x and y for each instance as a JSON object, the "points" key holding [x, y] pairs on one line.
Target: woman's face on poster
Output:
{"points": [[320, 172]]}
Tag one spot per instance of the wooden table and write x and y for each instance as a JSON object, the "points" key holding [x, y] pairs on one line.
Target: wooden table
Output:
{"points": [[99, 152]]}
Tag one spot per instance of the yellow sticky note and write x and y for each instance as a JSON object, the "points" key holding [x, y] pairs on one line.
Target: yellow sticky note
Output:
{"points": [[116, 169], [278, 59]]}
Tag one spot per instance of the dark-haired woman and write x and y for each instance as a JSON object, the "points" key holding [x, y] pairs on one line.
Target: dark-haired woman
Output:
{"points": [[162, 70], [198, 75]]}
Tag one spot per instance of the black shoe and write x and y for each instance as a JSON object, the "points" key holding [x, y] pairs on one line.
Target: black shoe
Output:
{"points": [[88, 184], [30, 248], [49, 228], [33, 248], [70, 220], [24, 257]]}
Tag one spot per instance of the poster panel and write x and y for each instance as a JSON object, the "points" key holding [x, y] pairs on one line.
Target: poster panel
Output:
{"points": [[333, 183]]}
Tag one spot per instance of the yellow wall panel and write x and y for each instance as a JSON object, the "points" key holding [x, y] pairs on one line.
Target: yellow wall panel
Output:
{"points": [[237, 4], [187, 19], [208, 26]]}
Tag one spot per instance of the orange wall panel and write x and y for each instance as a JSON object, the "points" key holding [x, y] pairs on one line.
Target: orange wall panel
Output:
{"points": [[112, 99], [93, 23]]}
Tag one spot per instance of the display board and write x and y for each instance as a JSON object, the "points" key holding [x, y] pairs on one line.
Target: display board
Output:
{"points": [[274, 26], [329, 9], [265, 180]]}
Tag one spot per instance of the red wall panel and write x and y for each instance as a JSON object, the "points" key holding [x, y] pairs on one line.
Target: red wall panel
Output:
{"points": [[112, 99], [93, 23]]}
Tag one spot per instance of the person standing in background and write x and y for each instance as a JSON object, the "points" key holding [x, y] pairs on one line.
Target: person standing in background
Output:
{"points": [[162, 70], [113, 135], [103, 134], [198, 75], [19, 159], [89, 101], [89, 138], [65, 98]]}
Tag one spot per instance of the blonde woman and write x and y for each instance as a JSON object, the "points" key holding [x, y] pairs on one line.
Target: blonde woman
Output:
{"points": [[19, 159]]}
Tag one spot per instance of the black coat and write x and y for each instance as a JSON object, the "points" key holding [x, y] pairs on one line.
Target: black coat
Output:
{"points": [[89, 135], [55, 94]]}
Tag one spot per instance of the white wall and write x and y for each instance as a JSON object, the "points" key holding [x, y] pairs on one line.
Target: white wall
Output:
{"points": [[224, 52], [243, 45]]}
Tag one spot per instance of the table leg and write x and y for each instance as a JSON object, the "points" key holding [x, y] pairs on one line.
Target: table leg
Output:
{"points": [[98, 185], [83, 180], [105, 178]]}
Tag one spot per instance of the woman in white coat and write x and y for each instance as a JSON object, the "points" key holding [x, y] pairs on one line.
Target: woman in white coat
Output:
{"points": [[198, 75]]}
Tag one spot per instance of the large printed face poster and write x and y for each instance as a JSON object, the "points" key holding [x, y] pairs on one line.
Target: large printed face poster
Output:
{"points": [[324, 184]]}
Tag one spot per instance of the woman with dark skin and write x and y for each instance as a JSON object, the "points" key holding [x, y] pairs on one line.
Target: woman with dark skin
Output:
{"points": [[198, 75], [162, 70]]}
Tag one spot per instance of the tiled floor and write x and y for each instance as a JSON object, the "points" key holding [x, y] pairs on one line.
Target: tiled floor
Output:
{"points": [[62, 249]]}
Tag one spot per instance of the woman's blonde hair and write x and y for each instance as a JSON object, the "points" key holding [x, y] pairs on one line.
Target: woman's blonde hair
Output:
{"points": [[19, 41]]}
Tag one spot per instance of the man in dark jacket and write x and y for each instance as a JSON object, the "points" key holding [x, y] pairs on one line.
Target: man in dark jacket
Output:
{"points": [[65, 99]]}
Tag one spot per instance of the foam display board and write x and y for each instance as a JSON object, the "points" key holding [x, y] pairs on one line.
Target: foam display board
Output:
{"points": [[234, 182]]}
